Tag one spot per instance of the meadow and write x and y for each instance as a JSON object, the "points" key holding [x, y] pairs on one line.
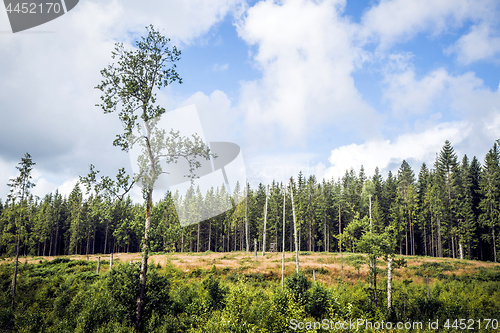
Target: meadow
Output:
{"points": [[234, 292]]}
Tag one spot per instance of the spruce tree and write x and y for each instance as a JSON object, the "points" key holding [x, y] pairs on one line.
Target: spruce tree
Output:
{"points": [[490, 190], [445, 166]]}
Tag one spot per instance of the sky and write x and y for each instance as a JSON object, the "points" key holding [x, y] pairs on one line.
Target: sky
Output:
{"points": [[313, 86]]}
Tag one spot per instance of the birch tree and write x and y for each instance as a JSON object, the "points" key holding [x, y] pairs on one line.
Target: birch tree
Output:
{"points": [[129, 87]]}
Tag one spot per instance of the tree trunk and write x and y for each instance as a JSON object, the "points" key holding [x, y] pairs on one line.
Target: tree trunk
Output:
{"points": [[111, 261], [14, 278], [88, 242], [144, 262], [182, 240], [295, 230], [327, 237], [375, 280], [106, 237], [98, 265], [246, 220], [461, 250], [494, 245], [340, 229], [425, 238], [427, 283], [370, 274], [255, 247], [265, 221], [57, 238], [439, 241], [50, 244], [324, 234], [433, 246], [210, 235], [453, 246], [283, 248], [406, 239], [389, 285], [412, 234], [198, 239], [310, 225]]}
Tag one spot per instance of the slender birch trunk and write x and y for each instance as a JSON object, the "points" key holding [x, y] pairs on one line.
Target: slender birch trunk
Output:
{"points": [[295, 230], [265, 222], [144, 261], [255, 247], [246, 219], [283, 248]]}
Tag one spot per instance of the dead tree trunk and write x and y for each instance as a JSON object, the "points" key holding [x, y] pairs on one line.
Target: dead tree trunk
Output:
{"points": [[246, 220], [265, 221], [340, 229], [295, 230], [389, 285], [283, 248], [255, 247]]}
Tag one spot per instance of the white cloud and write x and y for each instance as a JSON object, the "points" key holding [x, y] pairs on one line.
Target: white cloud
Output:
{"points": [[481, 43], [216, 115], [463, 95], [48, 99], [415, 148], [183, 21], [280, 167], [408, 96], [392, 21], [43, 187], [220, 68], [306, 52]]}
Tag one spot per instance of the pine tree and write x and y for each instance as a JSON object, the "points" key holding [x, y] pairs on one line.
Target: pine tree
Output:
{"points": [[490, 190], [445, 166], [423, 208], [19, 189], [75, 219]]}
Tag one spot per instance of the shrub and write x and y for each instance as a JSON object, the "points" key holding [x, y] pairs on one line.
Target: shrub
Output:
{"points": [[298, 284]]}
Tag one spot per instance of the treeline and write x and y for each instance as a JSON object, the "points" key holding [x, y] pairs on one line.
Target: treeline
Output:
{"points": [[448, 210]]}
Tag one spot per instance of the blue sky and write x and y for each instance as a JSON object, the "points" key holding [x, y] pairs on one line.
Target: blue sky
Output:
{"points": [[318, 86]]}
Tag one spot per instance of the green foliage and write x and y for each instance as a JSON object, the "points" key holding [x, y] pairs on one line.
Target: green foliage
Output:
{"points": [[297, 284], [68, 296], [216, 293]]}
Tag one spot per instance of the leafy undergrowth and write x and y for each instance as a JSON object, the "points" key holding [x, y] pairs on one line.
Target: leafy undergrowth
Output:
{"points": [[64, 295]]}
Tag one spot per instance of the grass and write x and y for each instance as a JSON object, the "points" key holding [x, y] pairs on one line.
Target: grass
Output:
{"points": [[330, 268]]}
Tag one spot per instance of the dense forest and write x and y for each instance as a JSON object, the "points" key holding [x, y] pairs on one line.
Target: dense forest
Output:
{"points": [[448, 210]]}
